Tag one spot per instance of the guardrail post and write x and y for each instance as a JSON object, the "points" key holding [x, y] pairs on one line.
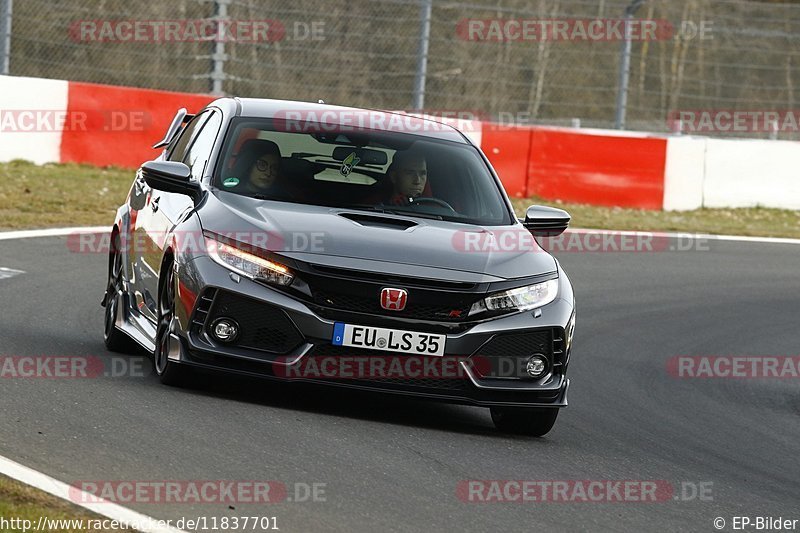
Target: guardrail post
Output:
{"points": [[6, 8], [218, 56], [422, 55], [625, 65]]}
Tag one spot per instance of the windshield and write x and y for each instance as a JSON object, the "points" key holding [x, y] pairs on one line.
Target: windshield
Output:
{"points": [[360, 169]]}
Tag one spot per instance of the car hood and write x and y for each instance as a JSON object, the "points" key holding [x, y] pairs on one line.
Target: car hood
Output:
{"points": [[364, 240]]}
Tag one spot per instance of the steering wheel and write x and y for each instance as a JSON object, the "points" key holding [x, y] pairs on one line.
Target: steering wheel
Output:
{"points": [[437, 201]]}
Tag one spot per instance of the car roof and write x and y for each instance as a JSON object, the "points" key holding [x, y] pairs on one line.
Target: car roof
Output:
{"points": [[347, 117]]}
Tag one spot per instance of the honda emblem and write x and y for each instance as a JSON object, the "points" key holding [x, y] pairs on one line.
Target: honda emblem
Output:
{"points": [[394, 299]]}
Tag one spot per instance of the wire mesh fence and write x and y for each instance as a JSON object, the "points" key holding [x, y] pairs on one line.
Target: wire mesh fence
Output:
{"points": [[718, 61]]}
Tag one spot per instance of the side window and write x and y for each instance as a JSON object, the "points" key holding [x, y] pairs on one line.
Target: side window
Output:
{"points": [[198, 154], [179, 150]]}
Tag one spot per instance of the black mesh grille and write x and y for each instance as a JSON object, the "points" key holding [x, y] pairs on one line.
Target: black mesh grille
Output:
{"points": [[262, 326], [422, 382], [336, 289], [505, 355], [518, 344], [393, 279], [454, 312]]}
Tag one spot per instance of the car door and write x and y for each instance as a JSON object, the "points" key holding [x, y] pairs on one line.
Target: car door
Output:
{"points": [[172, 207], [151, 224]]}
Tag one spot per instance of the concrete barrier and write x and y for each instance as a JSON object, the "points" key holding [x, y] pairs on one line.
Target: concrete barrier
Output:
{"points": [[749, 173], [45, 120], [31, 111]]}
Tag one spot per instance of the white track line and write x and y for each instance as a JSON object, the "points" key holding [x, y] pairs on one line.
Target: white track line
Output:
{"points": [[63, 491], [701, 236], [50, 485], [58, 232], [6, 273], [54, 232]]}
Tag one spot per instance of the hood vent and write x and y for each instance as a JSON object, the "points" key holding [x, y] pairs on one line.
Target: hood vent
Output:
{"points": [[379, 221]]}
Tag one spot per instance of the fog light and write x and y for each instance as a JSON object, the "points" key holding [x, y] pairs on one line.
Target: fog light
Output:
{"points": [[225, 329], [536, 366]]}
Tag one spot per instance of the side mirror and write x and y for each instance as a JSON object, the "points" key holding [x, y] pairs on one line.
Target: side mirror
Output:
{"points": [[170, 176], [546, 221]]}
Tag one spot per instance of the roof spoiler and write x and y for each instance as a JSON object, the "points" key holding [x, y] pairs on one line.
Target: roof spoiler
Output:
{"points": [[181, 118]]}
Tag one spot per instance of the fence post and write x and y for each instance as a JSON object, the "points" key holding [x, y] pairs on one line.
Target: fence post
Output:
{"points": [[218, 56], [422, 55], [6, 8], [625, 65]]}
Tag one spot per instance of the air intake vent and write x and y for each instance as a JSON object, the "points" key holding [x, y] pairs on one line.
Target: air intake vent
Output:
{"points": [[202, 308], [376, 221], [558, 346]]}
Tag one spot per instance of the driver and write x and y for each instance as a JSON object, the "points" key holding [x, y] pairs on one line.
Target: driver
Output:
{"points": [[259, 164], [265, 168], [408, 175]]}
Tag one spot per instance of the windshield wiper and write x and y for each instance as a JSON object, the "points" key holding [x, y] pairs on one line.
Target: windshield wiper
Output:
{"points": [[415, 214], [381, 208]]}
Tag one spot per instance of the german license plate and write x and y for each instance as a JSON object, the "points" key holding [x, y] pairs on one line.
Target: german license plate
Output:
{"points": [[393, 340]]}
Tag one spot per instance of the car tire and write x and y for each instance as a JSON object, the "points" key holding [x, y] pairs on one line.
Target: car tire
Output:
{"points": [[115, 340], [168, 372], [531, 421]]}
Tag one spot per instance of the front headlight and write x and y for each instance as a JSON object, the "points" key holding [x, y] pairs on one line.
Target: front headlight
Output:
{"points": [[524, 298], [248, 264]]}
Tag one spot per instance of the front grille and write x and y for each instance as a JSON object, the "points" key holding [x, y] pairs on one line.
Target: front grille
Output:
{"points": [[418, 382], [391, 278], [261, 326], [455, 312], [335, 289]]}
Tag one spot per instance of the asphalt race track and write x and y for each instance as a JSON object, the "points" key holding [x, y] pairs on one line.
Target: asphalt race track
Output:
{"points": [[395, 464]]}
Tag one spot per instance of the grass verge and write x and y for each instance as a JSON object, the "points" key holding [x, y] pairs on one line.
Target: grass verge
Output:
{"points": [[33, 196], [19, 501], [755, 221], [46, 196]]}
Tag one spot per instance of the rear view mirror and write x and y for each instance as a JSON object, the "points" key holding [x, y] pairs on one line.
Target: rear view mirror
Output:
{"points": [[365, 155], [546, 221]]}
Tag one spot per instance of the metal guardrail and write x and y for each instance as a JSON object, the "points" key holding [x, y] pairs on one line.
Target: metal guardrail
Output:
{"points": [[414, 54]]}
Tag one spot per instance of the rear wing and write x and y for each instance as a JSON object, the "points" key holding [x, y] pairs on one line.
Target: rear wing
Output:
{"points": [[181, 118]]}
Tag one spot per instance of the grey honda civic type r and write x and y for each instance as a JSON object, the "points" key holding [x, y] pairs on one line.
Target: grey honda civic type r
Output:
{"points": [[344, 247]]}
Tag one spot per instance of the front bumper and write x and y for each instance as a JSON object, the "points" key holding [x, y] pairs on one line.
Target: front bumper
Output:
{"points": [[297, 334]]}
